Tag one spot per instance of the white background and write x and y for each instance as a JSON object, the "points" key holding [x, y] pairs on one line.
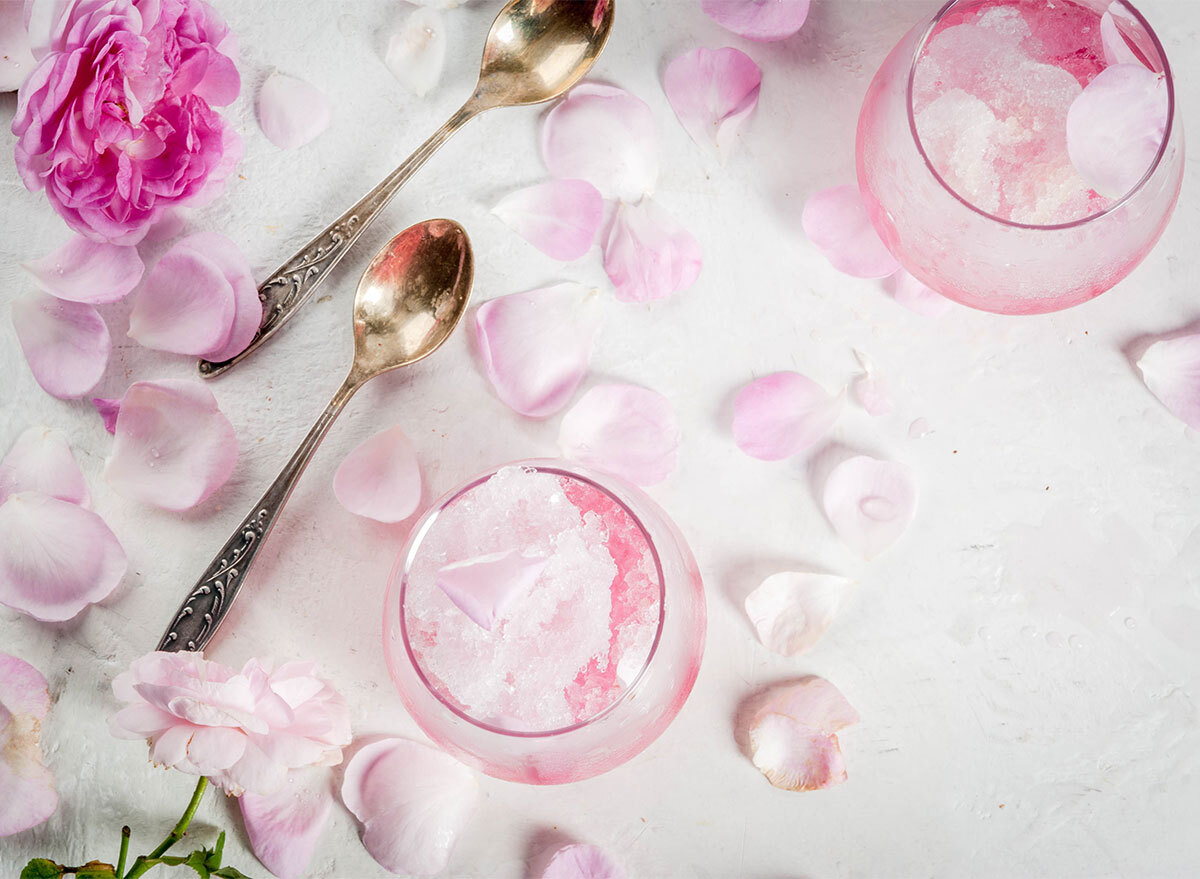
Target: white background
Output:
{"points": [[1024, 661]]}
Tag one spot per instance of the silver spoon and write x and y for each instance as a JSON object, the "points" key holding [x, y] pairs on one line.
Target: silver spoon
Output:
{"points": [[535, 51], [409, 300]]}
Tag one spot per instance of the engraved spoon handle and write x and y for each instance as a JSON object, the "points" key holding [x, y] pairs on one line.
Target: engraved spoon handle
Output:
{"points": [[209, 600], [289, 286]]}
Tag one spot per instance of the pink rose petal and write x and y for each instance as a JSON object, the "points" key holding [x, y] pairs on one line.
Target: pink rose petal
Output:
{"points": [[915, 296], [535, 346], [1116, 126], [41, 460], [172, 446], [55, 557], [782, 414], [292, 112], [66, 344], [416, 53], [793, 735], [1171, 370], [792, 610], [485, 587], [16, 59], [108, 410], [380, 479], [836, 222], [412, 800], [582, 862], [1117, 49], [648, 255], [870, 390], [247, 307], [624, 429], [186, 306], [763, 20], [870, 503], [559, 217], [713, 92], [27, 796], [83, 270], [603, 135], [284, 828]]}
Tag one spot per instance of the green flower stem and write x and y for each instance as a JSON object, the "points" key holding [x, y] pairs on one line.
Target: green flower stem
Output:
{"points": [[124, 851], [142, 864]]}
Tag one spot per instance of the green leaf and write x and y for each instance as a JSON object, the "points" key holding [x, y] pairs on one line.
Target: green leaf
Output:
{"points": [[96, 870], [229, 873], [197, 860], [214, 859], [40, 868]]}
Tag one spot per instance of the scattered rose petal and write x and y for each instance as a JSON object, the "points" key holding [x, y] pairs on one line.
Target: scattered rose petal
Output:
{"points": [[41, 460], [247, 307], [284, 827], [763, 20], [793, 735], [915, 296], [624, 429], [66, 344], [782, 414], [292, 112], [559, 217], [380, 479], [416, 53], [1117, 49], [535, 346], [836, 222], [1116, 126], [55, 557], [485, 587], [108, 409], [603, 135], [582, 862], [713, 92], [1171, 370], [186, 305], [870, 390], [870, 502], [412, 800], [27, 796], [170, 224], [16, 59], [648, 255], [83, 270], [172, 446], [791, 611]]}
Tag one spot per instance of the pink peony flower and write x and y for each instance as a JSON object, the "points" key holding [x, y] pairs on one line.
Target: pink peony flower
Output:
{"points": [[244, 731], [115, 122]]}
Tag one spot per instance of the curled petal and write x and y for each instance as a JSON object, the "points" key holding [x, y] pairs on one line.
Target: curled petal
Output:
{"points": [[603, 135], [1171, 370], [559, 217], [485, 587], [713, 92], [870, 502], [412, 802], [186, 305], [1117, 49], [284, 827], [624, 429], [27, 796], [65, 343], [16, 59], [416, 53], [582, 862], [108, 409], [793, 734], [83, 270], [915, 296], [40, 460], [873, 395], [1116, 126], [791, 611], [648, 255], [765, 22], [247, 307], [535, 346], [172, 446], [380, 479], [292, 112], [782, 414], [55, 557], [836, 222]]}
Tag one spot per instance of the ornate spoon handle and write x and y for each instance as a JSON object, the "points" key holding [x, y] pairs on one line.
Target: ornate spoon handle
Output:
{"points": [[209, 600], [291, 284]]}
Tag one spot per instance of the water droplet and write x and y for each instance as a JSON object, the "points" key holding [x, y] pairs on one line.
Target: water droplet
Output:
{"points": [[1130, 623], [1029, 631], [155, 453], [1056, 639], [919, 429], [880, 509], [1076, 642]]}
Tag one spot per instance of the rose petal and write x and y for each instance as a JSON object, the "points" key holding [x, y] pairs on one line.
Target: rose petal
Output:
{"points": [[648, 255], [713, 92], [380, 479], [108, 410], [412, 801], [55, 557], [292, 112], [186, 305], [41, 460], [559, 217], [284, 828], [66, 344], [782, 414], [416, 53], [915, 296], [172, 447], [1116, 126], [791, 611], [485, 587], [871, 391], [603, 135], [624, 429], [582, 862], [83, 270], [1171, 370], [793, 735], [836, 222], [763, 20], [16, 59], [247, 307], [27, 796], [1117, 49], [870, 502], [23, 690], [535, 346]]}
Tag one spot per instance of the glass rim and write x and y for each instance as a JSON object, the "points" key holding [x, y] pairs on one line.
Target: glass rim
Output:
{"points": [[1158, 156], [419, 534]]}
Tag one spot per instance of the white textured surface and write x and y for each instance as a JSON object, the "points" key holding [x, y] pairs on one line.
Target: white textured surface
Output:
{"points": [[1025, 660]]}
